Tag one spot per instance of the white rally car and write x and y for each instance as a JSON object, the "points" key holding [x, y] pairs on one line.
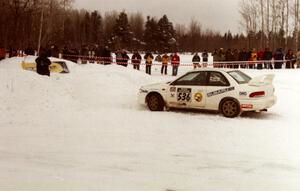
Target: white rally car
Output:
{"points": [[229, 91]]}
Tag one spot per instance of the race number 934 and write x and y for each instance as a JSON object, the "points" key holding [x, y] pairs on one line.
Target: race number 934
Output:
{"points": [[184, 94]]}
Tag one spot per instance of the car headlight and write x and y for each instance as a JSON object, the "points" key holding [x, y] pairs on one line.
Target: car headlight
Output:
{"points": [[143, 90]]}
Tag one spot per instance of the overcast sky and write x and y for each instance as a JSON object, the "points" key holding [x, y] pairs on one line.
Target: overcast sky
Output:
{"points": [[220, 15]]}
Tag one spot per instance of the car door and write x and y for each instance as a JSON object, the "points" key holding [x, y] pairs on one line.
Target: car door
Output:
{"points": [[189, 91], [218, 87]]}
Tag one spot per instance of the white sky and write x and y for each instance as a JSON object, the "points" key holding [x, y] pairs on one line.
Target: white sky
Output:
{"points": [[220, 15]]}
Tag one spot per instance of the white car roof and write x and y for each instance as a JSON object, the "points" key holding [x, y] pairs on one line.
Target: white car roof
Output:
{"points": [[213, 69]]}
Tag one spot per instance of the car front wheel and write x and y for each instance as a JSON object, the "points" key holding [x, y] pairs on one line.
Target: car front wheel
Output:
{"points": [[230, 108], [155, 102]]}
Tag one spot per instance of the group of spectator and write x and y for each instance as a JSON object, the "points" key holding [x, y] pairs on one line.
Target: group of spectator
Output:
{"points": [[122, 59], [230, 58], [263, 59]]}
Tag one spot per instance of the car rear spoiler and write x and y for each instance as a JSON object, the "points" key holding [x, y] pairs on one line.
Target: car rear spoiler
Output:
{"points": [[262, 80]]}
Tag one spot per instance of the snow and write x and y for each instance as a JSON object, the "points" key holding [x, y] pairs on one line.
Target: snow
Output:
{"points": [[85, 131]]}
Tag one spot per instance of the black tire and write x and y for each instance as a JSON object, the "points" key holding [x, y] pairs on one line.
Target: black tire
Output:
{"points": [[155, 102], [230, 108]]}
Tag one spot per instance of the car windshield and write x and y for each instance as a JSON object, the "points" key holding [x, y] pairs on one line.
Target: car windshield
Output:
{"points": [[239, 76]]}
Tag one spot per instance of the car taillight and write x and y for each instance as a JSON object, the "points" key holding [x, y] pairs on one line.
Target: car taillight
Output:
{"points": [[257, 94]]}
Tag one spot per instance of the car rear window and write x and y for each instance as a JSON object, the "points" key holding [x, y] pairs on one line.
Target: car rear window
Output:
{"points": [[239, 76]]}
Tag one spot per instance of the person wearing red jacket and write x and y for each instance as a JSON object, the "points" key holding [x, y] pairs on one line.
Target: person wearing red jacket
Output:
{"points": [[175, 61]]}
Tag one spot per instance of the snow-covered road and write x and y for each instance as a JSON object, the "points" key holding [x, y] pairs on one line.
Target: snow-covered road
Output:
{"points": [[85, 131]]}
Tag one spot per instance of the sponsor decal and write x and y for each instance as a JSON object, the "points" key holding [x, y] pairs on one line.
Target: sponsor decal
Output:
{"points": [[246, 106], [184, 94], [243, 93], [178, 104], [198, 97], [172, 89], [214, 93]]}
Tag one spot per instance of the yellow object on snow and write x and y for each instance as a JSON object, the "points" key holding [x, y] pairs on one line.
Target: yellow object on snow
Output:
{"points": [[55, 67]]}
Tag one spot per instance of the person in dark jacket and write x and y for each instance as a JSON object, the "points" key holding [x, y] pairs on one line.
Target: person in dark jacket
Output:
{"points": [[136, 60], [29, 51], [268, 55], [149, 58], [204, 58], [125, 58], [106, 56], [216, 58], [54, 51], [243, 56], [196, 61], [278, 57], [228, 58], [290, 59], [42, 64], [236, 58]]}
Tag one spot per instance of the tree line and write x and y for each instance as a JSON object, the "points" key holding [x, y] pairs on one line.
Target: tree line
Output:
{"points": [[30, 23], [271, 23]]}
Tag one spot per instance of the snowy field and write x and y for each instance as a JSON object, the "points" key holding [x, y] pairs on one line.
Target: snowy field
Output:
{"points": [[84, 131]]}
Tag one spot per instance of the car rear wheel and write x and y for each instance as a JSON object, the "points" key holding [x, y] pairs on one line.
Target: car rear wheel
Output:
{"points": [[230, 108], [155, 102]]}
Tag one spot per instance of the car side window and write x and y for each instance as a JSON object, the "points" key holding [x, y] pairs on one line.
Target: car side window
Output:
{"points": [[192, 79], [217, 79]]}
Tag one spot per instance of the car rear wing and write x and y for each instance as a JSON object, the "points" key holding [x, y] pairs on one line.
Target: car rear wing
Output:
{"points": [[262, 80]]}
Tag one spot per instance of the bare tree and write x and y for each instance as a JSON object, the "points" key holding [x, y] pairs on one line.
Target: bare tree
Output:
{"points": [[287, 23], [268, 23], [296, 24], [262, 24]]}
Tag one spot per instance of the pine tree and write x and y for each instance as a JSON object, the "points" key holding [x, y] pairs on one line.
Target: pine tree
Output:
{"points": [[96, 28], [122, 34], [86, 29], [167, 38], [151, 34]]}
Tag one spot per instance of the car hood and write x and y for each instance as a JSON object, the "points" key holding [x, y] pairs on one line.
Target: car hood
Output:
{"points": [[155, 86]]}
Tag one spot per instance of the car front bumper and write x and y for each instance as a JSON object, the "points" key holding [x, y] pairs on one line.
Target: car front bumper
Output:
{"points": [[142, 98]]}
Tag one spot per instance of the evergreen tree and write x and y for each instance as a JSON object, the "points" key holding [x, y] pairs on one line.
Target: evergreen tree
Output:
{"points": [[96, 28], [122, 34], [87, 28], [166, 34], [151, 34]]}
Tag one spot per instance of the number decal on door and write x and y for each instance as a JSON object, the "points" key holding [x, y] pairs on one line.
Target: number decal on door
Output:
{"points": [[184, 94]]}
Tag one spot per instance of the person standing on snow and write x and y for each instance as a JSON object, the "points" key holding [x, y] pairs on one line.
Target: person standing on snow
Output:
{"points": [[125, 58], [42, 64], [196, 61], [106, 56], [278, 57], [290, 59], [136, 60], [164, 66], [204, 58], [268, 56], [175, 64], [253, 58], [119, 57], [149, 58]]}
